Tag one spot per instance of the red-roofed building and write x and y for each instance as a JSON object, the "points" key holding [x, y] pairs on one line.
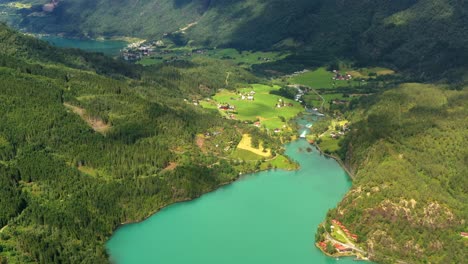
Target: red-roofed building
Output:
{"points": [[323, 245], [464, 234], [342, 248]]}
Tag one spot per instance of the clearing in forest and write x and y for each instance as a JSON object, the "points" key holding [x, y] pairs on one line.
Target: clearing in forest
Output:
{"points": [[95, 123]]}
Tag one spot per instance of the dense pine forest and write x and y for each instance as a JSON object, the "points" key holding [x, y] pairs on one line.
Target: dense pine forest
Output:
{"points": [[87, 143], [409, 153]]}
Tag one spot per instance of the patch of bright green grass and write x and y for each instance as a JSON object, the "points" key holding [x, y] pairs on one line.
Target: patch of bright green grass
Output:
{"points": [[246, 155], [280, 162], [338, 236], [320, 78], [262, 107], [246, 57], [329, 144]]}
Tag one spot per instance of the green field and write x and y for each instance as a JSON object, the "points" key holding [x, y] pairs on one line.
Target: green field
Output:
{"points": [[241, 58], [320, 78], [262, 108], [329, 144], [246, 57], [338, 236], [280, 162], [246, 155]]}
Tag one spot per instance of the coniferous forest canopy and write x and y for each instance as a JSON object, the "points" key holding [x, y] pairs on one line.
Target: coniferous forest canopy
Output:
{"points": [[88, 142]]}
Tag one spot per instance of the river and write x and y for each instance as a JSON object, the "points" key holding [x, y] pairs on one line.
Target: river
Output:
{"points": [[266, 217], [108, 47]]}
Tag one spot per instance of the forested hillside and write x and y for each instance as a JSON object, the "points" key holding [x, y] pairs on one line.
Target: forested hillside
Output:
{"points": [[82, 152], [425, 37], [408, 149], [88, 143]]}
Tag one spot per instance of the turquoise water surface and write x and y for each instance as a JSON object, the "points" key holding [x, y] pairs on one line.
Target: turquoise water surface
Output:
{"points": [[267, 217], [108, 47]]}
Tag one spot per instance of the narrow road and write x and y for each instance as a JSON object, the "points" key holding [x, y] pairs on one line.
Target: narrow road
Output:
{"points": [[227, 78], [346, 245], [323, 99]]}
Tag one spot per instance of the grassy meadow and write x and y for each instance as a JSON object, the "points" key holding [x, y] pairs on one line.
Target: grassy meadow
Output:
{"points": [[241, 58], [262, 108]]}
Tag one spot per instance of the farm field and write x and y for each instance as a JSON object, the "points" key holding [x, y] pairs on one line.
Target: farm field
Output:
{"points": [[261, 108], [322, 79], [319, 79], [241, 58], [245, 57]]}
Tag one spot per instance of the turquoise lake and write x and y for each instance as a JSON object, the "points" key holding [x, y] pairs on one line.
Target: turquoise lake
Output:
{"points": [[108, 47], [266, 217]]}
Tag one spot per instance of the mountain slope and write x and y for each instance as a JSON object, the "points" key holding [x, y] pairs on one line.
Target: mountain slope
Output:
{"points": [[82, 152], [418, 35], [408, 150]]}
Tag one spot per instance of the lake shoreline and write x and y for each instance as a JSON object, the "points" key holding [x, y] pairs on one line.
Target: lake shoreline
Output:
{"points": [[219, 186], [238, 177], [231, 181], [337, 159]]}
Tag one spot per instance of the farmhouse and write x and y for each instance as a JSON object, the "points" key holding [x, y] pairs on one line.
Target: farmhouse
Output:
{"points": [[340, 248], [341, 77], [224, 107]]}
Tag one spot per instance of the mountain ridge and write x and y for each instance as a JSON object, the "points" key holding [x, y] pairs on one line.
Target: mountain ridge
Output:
{"points": [[424, 34]]}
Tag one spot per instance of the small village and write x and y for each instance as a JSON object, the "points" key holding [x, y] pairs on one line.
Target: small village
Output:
{"points": [[341, 77], [337, 241], [155, 49]]}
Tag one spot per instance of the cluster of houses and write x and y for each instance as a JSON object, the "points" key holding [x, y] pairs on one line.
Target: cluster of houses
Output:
{"points": [[341, 77], [349, 234], [139, 50], [281, 104], [339, 247], [337, 134], [226, 107], [248, 96], [341, 133]]}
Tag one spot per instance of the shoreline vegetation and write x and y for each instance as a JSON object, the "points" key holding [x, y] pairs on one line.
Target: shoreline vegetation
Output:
{"points": [[395, 110], [221, 185]]}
